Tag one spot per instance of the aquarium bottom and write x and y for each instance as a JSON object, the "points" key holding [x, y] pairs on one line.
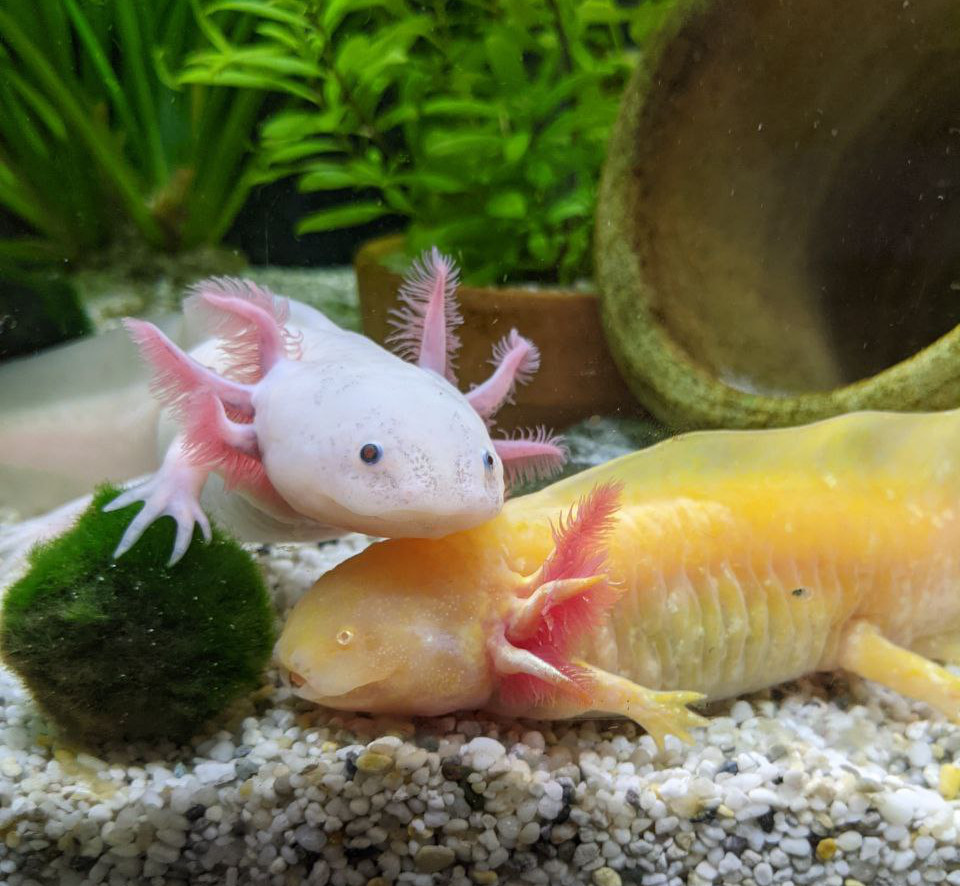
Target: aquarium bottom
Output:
{"points": [[820, 783]]}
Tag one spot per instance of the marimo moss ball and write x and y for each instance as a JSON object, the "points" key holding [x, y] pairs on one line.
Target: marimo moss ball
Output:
{"points": [[130, 648]]}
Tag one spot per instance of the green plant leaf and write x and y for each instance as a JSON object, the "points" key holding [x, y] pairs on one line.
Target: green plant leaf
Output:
{"points": [[450, 143], [459, 107], [510, 204], [516, 146], [270, 10], [301, 124], [346, 216], [299, 150], [328, 177]]}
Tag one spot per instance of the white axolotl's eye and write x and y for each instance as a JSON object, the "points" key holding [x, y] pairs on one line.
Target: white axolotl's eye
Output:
{"points": [[371, 453], [488, 460]]}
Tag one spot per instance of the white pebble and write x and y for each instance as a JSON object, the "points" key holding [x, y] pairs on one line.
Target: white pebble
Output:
{"points": [[706, 871], [796, 846], [483, 752], [763, 874], [920, 754], [222, 751], [849, 841], [215, 773], [897, 807]]}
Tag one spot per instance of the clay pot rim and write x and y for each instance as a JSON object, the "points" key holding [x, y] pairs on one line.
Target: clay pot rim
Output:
{"points": [[383, 248]]}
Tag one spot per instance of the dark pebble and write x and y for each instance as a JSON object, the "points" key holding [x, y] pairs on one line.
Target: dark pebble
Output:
{"points": [[195, 812], [734, 843], [246, 769], [350, 765], [452, 770], [633, 797], [474, 800], [32, 864], [730, 766], [361, 853], [565, 851], [766, 822]]}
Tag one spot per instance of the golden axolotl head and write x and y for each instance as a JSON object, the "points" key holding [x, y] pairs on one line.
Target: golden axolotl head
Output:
{"points": [[393, 630], [426, 627]]}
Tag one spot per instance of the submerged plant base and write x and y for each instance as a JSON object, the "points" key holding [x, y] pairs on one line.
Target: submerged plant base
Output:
{"points": [[129, 648]]}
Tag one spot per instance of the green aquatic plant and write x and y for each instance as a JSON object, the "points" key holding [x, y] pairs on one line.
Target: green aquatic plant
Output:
{"points": [[483, 124], [98, 142], [130, 648]]}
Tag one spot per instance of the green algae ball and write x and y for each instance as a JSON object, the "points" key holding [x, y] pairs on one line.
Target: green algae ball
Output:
{"points": [[131, 649]]}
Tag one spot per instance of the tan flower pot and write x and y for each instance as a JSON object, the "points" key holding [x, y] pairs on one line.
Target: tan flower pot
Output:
{"points": [[577, 377]]}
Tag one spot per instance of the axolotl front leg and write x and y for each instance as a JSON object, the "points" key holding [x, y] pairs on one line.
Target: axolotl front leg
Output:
{"points": [[199, 397], [564, 600], [173, 491]]}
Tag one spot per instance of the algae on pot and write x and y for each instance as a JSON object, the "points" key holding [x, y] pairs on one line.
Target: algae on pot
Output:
{"points": [[775, 233]]}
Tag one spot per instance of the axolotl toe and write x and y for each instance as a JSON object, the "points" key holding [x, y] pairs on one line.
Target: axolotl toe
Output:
{"points": [[710, 565], [286, 427]]}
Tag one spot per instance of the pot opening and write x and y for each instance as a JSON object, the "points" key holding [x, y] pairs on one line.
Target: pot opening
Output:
{"points": [[795, 202]]}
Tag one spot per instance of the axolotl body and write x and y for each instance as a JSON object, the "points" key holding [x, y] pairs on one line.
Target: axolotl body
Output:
{"points": [[710, 565], [294, 429]]}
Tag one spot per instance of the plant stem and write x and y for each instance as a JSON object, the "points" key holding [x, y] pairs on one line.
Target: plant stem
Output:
{"points": [[371, 133], [133, 57]]}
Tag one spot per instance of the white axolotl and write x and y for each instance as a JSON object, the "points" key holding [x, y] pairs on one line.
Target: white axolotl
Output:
{"points": [[291, 428]]}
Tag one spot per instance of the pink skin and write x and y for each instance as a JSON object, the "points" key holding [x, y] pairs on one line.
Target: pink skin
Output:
{"points": [[218, 415]]}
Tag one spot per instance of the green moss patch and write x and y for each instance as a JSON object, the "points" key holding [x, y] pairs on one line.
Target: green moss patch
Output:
{"points": [[130, 648]]}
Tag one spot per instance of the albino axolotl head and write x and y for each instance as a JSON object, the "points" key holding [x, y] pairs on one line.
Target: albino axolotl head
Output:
{"points": [[348, 435], [383, 448]]}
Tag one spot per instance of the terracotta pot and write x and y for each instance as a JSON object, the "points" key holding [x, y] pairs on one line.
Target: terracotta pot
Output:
{"points": [[577, 377], [777, 231]]}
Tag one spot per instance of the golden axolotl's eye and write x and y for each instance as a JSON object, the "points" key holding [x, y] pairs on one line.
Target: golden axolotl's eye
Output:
{"points": [[344, 637]]}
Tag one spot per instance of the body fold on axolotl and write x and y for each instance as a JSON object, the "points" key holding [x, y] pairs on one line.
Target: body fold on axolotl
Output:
{"points": [[293, 429], [710, 565]]}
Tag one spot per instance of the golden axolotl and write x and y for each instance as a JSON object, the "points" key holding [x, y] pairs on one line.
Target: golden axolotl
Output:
{"points": [[710, 565]]}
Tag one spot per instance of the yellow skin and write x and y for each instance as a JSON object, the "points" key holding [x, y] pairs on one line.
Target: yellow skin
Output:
{"points": [[745, 558]]}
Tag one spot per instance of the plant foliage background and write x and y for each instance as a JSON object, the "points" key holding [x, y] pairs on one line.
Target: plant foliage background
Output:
{"points": [[482, 122], [100, 144]]}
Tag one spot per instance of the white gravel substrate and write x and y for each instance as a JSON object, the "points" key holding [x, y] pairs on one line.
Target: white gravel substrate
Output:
{"points": [[830, 782]]}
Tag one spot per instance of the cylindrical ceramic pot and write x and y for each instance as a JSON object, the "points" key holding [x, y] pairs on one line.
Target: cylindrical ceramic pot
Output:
{"points": [[778, 231]]}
